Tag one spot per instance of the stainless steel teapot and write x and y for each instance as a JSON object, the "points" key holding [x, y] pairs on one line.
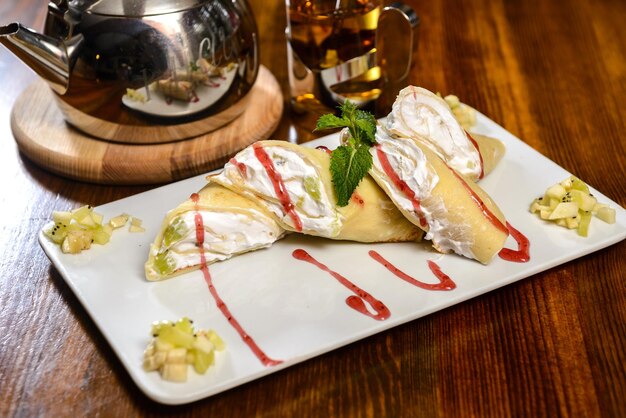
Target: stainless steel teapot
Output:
{"points": [[143, 71]]}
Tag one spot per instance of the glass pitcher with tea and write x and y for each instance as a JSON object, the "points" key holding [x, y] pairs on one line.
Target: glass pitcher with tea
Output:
{"points": [[347, 50]]}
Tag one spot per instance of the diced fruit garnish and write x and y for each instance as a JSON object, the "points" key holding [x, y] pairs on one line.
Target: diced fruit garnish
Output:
{"points": [[119, 221], [175, 345], [571, 205], [175, 231], [135, 225], [607, 214], [312, 187], [465, 115], [77, 229], [164, 264]]}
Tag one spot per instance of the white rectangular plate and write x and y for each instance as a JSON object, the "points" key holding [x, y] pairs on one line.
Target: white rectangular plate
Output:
{"points": [[292, 309]]}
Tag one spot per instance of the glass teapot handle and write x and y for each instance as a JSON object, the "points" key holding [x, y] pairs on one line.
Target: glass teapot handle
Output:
{"points": [[396, 40]]}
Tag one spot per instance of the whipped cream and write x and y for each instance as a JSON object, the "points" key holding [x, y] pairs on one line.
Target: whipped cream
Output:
{"points": [[302, 181], [225, 234], [418, 113], [411, 165]]}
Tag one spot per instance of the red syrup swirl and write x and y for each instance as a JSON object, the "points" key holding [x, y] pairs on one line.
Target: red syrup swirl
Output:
{"points": [[279, 185], [481, 205], [480, 156], [240, 166], [522, 254], [355, 302], [267, 361], [401, 185], [324, 148], [445, 282]]}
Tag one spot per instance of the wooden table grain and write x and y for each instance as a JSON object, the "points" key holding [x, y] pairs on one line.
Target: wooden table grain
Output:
{"points": [[551, 72]]}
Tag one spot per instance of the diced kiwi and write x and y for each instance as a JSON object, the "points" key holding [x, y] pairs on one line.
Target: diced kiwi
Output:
{"points": [[185, 325], [202, 343], [81, 212], [583, 226], [164, 264], [176, 230], [578, 184], [571, 205], [202, 360], [216, 340], [175, 345], [312, 187], [177, 337], [61, 217]]}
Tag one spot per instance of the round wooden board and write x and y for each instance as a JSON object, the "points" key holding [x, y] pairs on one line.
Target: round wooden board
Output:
{"points": [[43, 136]]}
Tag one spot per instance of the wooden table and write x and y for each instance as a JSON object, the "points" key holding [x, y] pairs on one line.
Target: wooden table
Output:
{"points": [[551, 72]]}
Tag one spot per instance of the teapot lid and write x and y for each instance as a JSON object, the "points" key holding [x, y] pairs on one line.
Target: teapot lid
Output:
{"points": [[132, 8]]}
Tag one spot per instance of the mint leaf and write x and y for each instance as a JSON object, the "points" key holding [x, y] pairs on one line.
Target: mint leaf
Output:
{"points": [[368, 131], [348, 166], [350, 162], [330, 122]]}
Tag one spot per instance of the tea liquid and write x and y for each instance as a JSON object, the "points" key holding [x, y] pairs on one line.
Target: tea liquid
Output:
{"points": [[325, 39]]}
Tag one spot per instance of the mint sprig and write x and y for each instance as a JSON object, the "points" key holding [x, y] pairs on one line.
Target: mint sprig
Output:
{"points": [[350, 162]]}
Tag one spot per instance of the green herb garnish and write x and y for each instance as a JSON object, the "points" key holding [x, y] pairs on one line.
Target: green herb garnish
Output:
{"points": [[350, 162]]}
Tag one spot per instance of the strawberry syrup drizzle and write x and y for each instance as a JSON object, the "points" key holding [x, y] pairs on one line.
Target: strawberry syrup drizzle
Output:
{"points": [[445, 282], [324, 148], [481, 205], [355, 302], [401, 184], [279, 185], [522, 254], [240, 166], [267, 361], [480, 156]]}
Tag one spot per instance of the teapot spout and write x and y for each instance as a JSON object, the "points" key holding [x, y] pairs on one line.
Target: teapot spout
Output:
{"points": [[51, 58]]}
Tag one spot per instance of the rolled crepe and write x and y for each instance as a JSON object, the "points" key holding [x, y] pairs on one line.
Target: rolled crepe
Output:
{"points": [[457, 215], [420, 114], [294, 184], [231, 225]]}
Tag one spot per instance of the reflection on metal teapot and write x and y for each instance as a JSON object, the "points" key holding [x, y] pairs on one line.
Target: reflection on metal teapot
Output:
{"points": [[120, 71]]}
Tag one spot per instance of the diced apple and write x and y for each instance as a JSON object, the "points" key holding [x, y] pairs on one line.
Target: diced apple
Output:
{"points": [[119, 221], [176, 355], [76, 241], [564, 210], [607, 214], [556, 191], [174, 372], [572, 223]]}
